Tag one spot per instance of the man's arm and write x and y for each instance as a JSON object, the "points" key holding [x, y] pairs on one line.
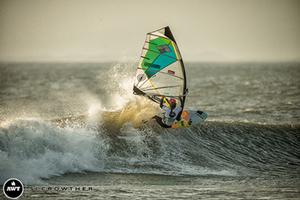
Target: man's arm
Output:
{"points": [[161, 102]]}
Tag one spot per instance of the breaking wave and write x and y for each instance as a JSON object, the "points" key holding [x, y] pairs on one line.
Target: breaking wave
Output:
{"points": [[43, 149]]}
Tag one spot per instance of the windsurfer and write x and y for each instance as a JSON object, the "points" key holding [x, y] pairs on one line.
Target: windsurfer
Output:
{"points": [[171, 113]]}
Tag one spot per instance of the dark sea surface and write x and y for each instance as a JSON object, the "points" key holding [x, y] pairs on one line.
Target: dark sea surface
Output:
{"points": [[76, 125]]}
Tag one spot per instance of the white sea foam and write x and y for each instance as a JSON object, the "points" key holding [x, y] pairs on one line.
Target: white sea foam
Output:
{"points": [[31, 150]]}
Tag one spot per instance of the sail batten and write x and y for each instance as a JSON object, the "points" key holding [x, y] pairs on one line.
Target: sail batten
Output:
{"points": [[161, 70]]}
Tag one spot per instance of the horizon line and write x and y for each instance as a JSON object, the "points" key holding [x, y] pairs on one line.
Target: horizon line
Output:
{"points": [[130, 61]]}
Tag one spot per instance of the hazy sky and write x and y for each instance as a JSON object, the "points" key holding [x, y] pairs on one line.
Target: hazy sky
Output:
{"points": [[99, 30]]}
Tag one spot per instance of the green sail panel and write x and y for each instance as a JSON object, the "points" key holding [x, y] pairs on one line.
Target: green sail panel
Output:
{"points": [[160, 54]]}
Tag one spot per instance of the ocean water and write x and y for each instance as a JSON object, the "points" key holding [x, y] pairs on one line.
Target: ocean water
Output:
{"points": [[79, 125]]}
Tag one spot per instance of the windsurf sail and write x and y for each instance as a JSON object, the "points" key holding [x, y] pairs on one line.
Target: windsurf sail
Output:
{"points": [[161, 71]]}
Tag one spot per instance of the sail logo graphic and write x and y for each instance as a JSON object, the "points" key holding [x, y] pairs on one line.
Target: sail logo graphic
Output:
{"points": [[13, 188], [163, 49]]}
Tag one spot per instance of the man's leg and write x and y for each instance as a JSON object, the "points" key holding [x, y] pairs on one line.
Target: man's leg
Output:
{"points": [[159, 121]]}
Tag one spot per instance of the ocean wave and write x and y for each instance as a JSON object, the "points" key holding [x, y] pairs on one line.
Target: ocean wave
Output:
{"points": [[33, 150]]}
